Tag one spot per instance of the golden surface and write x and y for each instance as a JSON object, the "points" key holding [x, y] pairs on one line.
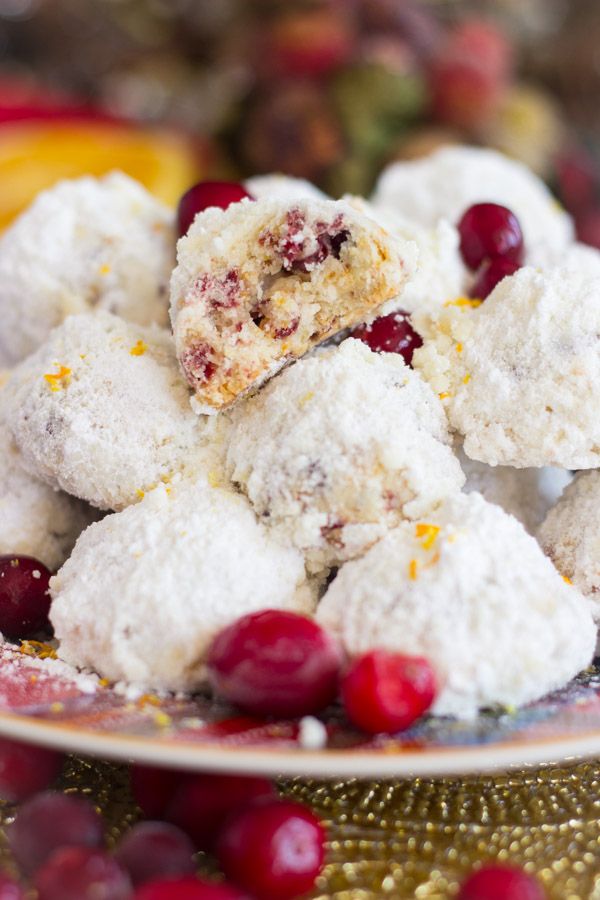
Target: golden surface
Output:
{"points": [[417, 839]]}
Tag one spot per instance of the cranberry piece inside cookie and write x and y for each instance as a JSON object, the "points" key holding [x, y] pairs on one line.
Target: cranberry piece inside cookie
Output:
{"points": [[204, 195], [390, 334], [490, 231]]}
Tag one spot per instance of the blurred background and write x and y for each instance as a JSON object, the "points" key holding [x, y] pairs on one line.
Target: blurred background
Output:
{"points": [[176, 90]]}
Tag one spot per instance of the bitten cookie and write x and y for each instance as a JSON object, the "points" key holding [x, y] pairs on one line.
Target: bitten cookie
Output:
{"points": [[101, 411], [147, 589], [339, 448], [261, 283], [520, 374], [472, 592], [88, 243]]}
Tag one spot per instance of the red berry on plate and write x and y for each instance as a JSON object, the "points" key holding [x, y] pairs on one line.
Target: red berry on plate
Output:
{"points": [[462, 92], [489, 231], [274, 849], [202, 803], [275, 663], [80, 873], [187, 889], [390, 334], [9, 889], [49, 821], [154, 850], [24, 596], [204, 195], [153, 788], [587, 226], [497, 882], [387, 692], [491, 273], [25, 770]]}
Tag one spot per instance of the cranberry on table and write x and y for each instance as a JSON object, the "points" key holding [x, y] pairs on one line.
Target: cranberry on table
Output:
{"points": [[204, 195], [25, 770], [497, 882], [9, 889], [202, 803], [390, 334], [274, 849], [82, 873], [490, 231], [491, 273], [49, 821], [387, 692], [153, 788], [24, 596], [188, 889], [154, 850], [275, 663]]}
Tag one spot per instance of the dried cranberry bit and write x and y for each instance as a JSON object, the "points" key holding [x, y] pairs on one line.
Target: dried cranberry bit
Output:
{"points": [[498, 882], [490, 231], [154, 850], [223, 293], [25, 770], [274, 849], [204, 195], [79, 873], [188, 889], [491, 273], [390, 334], [275, 663], [24, 596], [387, 692], [292, 328], [197, 364], [292, 247], [49, 821]]}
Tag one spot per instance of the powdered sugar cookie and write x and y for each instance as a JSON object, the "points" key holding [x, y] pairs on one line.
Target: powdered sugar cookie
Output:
{"points": [[83, 244], [472, 592], [340, 447], [147, 589], [102, 412], [520, 374], [260, 283]]}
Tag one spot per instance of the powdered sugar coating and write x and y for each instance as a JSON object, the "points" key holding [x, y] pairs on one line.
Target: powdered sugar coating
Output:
{"points": [[520, 374], [340, 447], [444, 184], [570, 535], [259, 284], [87, 243], [35, 520], [282, 187], [101, 410], [146, 589], [477, 598]]}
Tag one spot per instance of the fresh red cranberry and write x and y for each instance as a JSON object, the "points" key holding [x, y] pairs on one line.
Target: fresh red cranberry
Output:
{"points": [[202, 803], [274, 849], [497, 882], [187, 889], [49, 821], [587, 227], [25, 770], [387, 692], [153, 788], [9, 889], [204, 195], [154, 850], [275, 663], [490, 231], [24, 596], [390, 334], [491, 273], [80, 873]]}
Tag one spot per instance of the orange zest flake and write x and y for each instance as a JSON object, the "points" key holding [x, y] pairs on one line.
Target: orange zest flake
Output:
{"points": [[104, 269], [140, 493], [459, 348], [566, 579], [413, 569], [428, 532], [58, 380], [139, 348], [444, 395], [103, 682], [38, 649], [162, 719], [149, 700], [471, 302], [466, 379]]}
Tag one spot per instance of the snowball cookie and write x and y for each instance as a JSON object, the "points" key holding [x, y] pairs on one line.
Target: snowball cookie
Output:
{"points": [[570, 535], [86, 243], [520, 374], [146, 589], [340, 447], [447, 182], [35, 519], [472, 592], [262, 282], [282, 187], [527, 494], [101, 410]]}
